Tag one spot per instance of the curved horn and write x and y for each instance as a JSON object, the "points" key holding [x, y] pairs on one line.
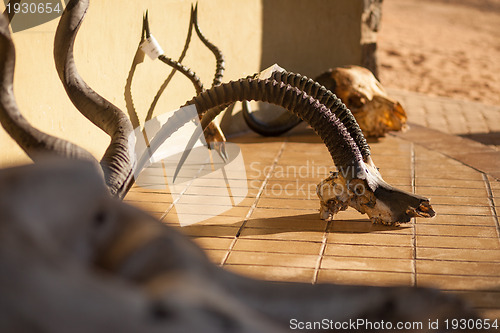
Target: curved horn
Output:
{"points": [[331, 101], [118, 160], [198, 86], [281, 125], [362, 186], [317, 91], [31, 140], [195, 80], [213, 133], [343, 149], [219, 57], [341, 146]]}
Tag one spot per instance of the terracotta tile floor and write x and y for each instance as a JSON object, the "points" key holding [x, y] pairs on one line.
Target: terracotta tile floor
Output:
{"points": [[275, 232], [473, 120]]}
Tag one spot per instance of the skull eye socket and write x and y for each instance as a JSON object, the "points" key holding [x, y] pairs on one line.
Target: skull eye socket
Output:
{"points": [[354, 101]]}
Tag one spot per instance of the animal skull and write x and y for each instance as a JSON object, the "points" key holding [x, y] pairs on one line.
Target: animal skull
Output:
{"points": [[370, 195], [303, 97], [74, 259], [375, 112]]}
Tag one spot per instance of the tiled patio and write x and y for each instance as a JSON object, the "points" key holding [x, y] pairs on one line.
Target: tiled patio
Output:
{"points": [[275, 232]]}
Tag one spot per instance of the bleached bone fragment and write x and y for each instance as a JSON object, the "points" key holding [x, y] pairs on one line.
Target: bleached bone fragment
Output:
{"points": [[375, 111]]}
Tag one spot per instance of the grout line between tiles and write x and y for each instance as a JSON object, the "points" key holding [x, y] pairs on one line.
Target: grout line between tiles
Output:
{"points": [[256, 201], [321, 252], [459, 225], [407, 272], [349, 256], [269, 265], [492, 202], [461, 236], [460, 205], [419, 259], [414, 222], [461, 275], [172, 205], [437, 150], [470, 261], [364, 270]]}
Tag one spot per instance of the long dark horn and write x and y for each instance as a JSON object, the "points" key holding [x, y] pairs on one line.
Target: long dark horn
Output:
{"points": [[330, 100], [362, 186], [358, 184], [219, 57], [213, 134], [177, 65], [31, 140], [276, 127], [317, 91], [195, 80], [118, 160], [343, 149]]}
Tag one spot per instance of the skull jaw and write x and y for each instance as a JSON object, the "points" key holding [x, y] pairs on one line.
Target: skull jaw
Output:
{"points": [[384, 205]]}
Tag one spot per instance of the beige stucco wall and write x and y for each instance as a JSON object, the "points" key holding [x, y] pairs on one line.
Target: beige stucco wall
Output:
{"points": [[302, 36]]}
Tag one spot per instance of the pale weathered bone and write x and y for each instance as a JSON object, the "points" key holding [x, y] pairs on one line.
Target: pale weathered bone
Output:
{"points": [[58, 222], [74, 259], [371, 195], [375, 112]]}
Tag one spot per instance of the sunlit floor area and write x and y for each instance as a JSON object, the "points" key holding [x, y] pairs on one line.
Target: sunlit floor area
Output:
{"points": [[265, 222]]}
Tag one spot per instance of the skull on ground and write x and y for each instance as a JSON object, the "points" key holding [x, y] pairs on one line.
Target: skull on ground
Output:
{"points": [[367, 99]]}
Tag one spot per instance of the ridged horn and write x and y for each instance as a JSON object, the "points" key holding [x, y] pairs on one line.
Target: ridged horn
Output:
{"points": [[33, 141], [362, 186], [331, 101], [276, 127], [342, 148], [195, 80], [213, 133], [317, 91], [187, 72], [118, 160], [219, 57]]}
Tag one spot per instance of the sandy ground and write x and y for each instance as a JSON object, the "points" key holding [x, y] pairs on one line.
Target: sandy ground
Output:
{"points": [[442, 47]]}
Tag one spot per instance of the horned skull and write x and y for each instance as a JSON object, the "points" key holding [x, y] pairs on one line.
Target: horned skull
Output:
{"points": [[305, 98], [367, 99], [95, 264]]}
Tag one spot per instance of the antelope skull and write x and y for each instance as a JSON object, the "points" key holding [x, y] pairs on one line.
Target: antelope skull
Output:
{"points": [[375, 112], [74, 259], [303, 97]]}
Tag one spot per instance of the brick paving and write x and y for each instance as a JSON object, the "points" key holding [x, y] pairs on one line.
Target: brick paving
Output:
{"points": [[476, 121], [275, 233]]}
